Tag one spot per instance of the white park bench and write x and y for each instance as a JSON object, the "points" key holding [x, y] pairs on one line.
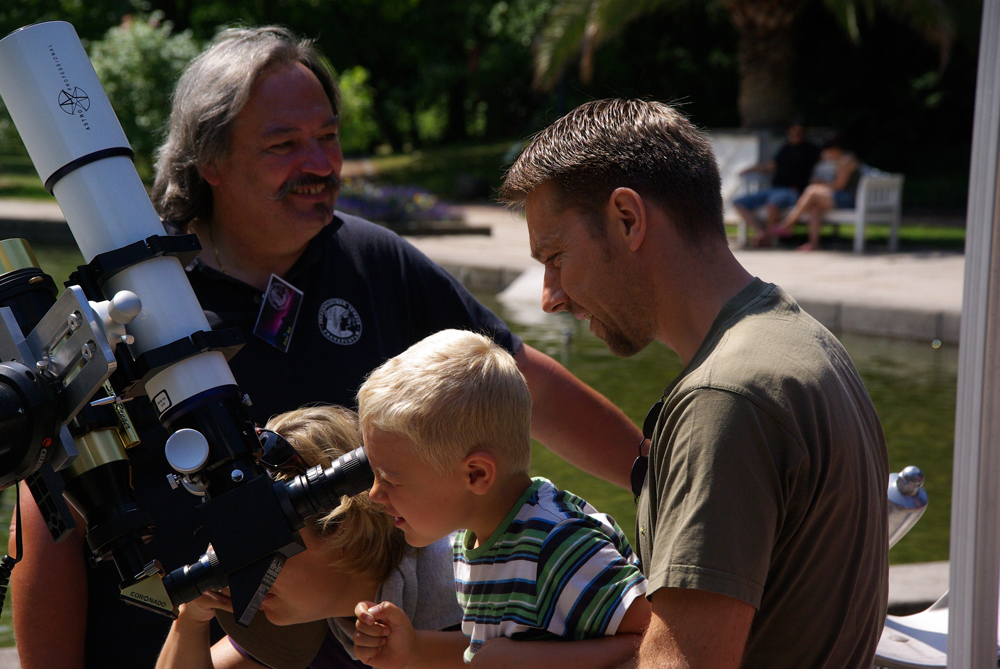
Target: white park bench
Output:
{"points": [[879, 199]]}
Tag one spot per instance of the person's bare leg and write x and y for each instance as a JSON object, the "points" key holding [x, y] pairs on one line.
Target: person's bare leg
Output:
{"points": [[773, 222], [815, 195], [773, 216], [815, 221], [752, 223]]}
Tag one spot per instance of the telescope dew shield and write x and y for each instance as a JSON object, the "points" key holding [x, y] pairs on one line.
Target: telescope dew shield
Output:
{"points": [[82, 155], [60, 108]]}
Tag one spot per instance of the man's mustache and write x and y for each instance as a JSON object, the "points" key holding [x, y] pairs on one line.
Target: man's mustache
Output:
{"points": [[330, 181]]}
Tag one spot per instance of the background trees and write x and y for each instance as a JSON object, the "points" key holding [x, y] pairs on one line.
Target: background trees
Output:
{"points": [[138, 62], [765, 45], [447, 71]]}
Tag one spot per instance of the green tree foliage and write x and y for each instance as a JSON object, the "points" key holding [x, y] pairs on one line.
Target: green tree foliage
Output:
{"points": [[358, 132], [10, 141], [442, 71], [438, 69], [138, 62], [91, 18]]}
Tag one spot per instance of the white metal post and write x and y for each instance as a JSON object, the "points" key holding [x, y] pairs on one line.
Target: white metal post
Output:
{"points": [[975, 511]]}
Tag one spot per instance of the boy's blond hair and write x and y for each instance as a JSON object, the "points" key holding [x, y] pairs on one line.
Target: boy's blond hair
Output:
{"points": [[452, 393], [369, 545]]}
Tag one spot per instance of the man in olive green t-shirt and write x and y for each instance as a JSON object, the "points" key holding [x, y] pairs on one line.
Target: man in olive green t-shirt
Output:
{"points": [[762, 519]]}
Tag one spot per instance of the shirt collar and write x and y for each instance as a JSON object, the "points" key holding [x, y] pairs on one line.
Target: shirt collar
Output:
{"points": [[312, 254]]}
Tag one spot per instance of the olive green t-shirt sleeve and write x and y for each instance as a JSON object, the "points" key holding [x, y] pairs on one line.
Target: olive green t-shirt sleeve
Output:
{"points": [[720, 483]]}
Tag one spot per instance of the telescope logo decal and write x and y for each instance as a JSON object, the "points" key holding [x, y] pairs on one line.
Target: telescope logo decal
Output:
{"points": [[74, 103], [339, 322]]}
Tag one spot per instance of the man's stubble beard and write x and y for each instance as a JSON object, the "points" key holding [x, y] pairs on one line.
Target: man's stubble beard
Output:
{"points": [[632, 329]]}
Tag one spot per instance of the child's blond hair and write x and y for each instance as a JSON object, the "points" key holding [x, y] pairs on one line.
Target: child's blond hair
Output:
{"points": [[450, 394], [369, 545]]}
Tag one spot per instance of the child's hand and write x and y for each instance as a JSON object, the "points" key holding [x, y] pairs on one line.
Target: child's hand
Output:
{"points": [[202, 610], [385, 637]]}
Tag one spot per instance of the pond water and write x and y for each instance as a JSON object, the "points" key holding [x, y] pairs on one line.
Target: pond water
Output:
{"points": [[912, 386]]}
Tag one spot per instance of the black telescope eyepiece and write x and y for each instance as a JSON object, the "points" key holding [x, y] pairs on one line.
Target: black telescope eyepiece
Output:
{"points": [[187, 583], [319, 490], [314, 493]]}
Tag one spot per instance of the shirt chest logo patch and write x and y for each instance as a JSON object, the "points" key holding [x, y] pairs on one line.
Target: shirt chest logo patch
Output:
{"points": [[339, 322]]}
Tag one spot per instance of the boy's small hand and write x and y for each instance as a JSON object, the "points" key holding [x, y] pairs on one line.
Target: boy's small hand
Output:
{"points": [[385, 637]]}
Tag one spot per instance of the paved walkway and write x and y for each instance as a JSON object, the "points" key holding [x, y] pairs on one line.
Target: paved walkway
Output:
{"points": [[914, 295]]}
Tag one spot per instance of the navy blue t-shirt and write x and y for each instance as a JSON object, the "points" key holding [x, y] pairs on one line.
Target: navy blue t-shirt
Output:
{"points": [[794, 164], [367, 296]]}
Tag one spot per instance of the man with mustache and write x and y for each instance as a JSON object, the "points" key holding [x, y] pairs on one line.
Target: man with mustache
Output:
{"points": [[251, 166]]}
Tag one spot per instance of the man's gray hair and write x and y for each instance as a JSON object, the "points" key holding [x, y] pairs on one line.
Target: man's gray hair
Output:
{"points": [[211, 93]]}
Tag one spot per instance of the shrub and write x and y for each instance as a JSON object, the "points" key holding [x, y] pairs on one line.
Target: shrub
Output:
{"points": [[139, 62], [358, 132], [10, 141]]}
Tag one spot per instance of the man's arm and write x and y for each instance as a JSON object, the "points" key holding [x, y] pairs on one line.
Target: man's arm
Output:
{"points": [[761, 168], [605, 652], [692, 629], [602, 652], [48, 593], [576, 422]]}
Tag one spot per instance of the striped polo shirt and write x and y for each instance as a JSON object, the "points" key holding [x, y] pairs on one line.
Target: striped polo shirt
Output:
{"points": [[554, 568]]}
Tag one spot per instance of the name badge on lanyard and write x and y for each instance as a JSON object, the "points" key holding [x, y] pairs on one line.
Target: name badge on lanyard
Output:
{"points": [[279, 310]]}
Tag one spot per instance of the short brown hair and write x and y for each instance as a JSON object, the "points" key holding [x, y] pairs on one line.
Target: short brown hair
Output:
{"points": [[607, 144], [450, 394], [368, 542]]}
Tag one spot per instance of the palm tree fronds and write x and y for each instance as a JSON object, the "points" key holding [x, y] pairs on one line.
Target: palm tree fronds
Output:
{"points": [[579, 27], [930, 18], [561, 39]]}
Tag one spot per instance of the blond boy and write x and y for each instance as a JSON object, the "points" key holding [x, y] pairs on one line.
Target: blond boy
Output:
{"points": [[446, 426]]}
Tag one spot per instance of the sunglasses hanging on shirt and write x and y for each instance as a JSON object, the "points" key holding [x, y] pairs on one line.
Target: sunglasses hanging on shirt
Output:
{"points": [[641, 464]]}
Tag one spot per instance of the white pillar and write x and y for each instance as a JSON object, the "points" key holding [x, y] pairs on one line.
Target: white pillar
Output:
{"points": [[975, 511]]}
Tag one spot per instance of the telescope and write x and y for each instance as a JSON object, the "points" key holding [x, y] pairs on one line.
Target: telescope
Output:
{"points": [[128, 324]]}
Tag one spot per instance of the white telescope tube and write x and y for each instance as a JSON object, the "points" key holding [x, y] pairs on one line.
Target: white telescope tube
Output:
{"points": [[82, 155]]}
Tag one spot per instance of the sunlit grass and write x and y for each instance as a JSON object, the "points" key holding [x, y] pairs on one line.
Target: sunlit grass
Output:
{"points": [[450, 171], [18, 179], [911, 237]]}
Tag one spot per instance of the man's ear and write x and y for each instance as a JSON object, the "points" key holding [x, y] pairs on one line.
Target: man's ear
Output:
{"points": [[480, 471], [210, 173], [628, 217]]}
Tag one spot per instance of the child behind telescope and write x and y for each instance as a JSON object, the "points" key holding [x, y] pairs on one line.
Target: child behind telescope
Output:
{"points": [[350, 553], [446, 426]]}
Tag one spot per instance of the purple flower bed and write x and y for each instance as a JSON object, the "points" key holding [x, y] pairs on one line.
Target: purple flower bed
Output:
{"points": [[392, 204]]}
